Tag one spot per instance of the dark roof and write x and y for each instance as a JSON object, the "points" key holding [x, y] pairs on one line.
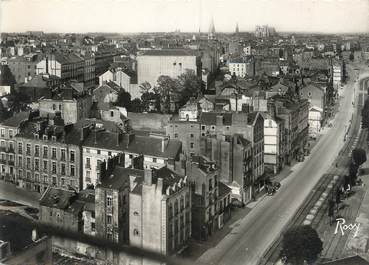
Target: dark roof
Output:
{"points": [[355, 260], [16, 120], [169, 177], [58, 198], [223, 189], [151, 146], [39, 81], [120, 177], [169, 52], [210, 118]]}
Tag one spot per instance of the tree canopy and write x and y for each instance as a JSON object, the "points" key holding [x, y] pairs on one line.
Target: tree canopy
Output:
{"points": [[358, 156], [301, 243]]}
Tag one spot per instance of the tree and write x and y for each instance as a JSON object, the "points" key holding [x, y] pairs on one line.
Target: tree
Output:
{"points": [[124, 100], [150, 99], [166, 86], [358, 156], [189, 86], [136, 105], [145, 87], [300, 244]]}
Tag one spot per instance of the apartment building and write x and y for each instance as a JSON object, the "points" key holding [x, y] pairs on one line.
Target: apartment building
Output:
{"points": [[160, 212], [210, 198]]}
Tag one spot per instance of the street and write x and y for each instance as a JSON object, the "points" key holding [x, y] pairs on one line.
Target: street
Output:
{"points": [[252, 235]]}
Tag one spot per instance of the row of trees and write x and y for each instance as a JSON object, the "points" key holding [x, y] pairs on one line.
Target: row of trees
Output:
{"points": [[167, 93]]}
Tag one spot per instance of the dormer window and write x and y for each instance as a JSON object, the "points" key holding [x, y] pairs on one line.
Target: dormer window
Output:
{"points": [[53, 138], [44, 137], [36, 136]]}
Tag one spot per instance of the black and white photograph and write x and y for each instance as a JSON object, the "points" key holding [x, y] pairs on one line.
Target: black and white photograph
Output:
{"points": [[184, 132]]}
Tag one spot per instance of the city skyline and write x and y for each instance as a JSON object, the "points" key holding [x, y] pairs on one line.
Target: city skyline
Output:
{"points": [[142, 16]]}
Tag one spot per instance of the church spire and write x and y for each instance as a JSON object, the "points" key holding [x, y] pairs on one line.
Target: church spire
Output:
{"points": [[237, 29], [211, 34]]}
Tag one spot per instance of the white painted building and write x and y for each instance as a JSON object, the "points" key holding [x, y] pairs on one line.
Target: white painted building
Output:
{"points": [[273, 140], [315, 121]]}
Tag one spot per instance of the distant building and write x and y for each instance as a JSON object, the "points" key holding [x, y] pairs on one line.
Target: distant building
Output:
{"points": [[24, 67], [242, 67], [174, 62], [71, 105], [39, 86], [67, 67]]}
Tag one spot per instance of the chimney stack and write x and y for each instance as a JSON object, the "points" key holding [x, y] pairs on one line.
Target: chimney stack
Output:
{"points": [[148, 176], [219, 121]]}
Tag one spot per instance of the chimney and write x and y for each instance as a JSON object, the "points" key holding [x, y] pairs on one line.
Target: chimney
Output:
{"points": [[84, 132], [219, 121], [47, 64], [164, 143], [148, 176], [159, 185]]}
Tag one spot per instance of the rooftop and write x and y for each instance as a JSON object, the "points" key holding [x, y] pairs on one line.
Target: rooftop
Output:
{"points": [[16, 120], [169, 52]]}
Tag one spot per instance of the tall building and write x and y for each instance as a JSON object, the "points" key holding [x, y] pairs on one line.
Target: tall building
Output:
{"points": [[171, 62], [210, 198], [160, 212]]}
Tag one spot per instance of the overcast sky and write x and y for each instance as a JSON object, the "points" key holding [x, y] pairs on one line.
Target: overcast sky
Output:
{"points": [[335, 16]]}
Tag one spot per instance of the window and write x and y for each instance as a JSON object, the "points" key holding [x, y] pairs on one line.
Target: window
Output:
{"points": [[37, 150], [62, 169], [45, 179], [93, 214], [154, 159], [53, 153], [60, 107], [20, 148], [109, 236], [98, 152], [62, 181], [54, 107], [10, 134], [62, 154], [72, 156], [54, 180], [28, 163], [37, 177], [111, 113], [191, 135], [53, 167], [87, 150], [191, 145], [20, 161], [71, 182], [2, 132], [108, 219], [109, 153], [45, 152], [28, 150], [135, 232], [72, 171], [93, 228], [176, 135], [37, 164], [109, 201], [45, 166], [88, 162]]}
